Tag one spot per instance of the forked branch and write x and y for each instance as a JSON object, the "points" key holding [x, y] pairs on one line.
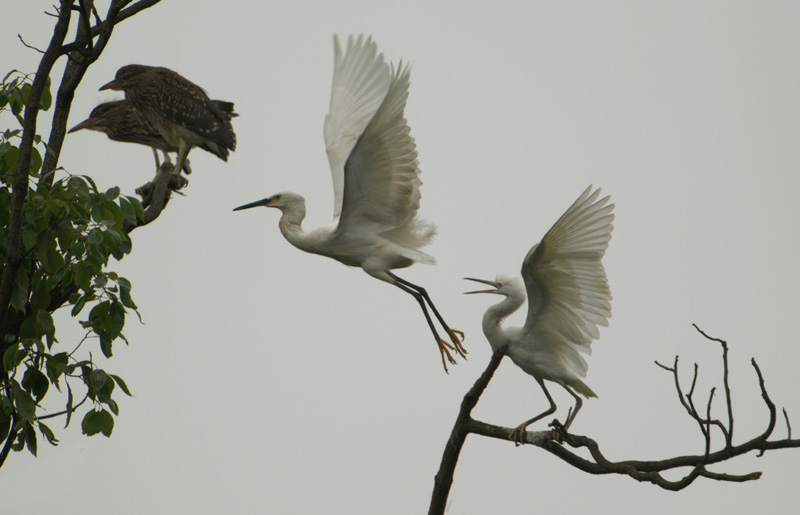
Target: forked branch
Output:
{"points": [[559, 442]]}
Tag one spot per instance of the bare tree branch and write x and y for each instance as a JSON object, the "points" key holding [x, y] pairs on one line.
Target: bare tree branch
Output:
{"points": [[83, 52], [26, 45], [559, 442], [444, 478]]}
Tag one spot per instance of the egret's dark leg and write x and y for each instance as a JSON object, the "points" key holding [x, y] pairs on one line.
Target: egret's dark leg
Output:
{"points": [[572, 413], [519, 431], [452, 333], [443, 345]]}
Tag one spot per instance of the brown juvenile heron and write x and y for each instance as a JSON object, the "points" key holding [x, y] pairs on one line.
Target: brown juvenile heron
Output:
{"points": [[120, 121], [178, 109]]}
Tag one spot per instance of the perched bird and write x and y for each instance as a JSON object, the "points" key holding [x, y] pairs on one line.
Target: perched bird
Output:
{"points": [[178, 109], [568, 298], [122, 122], [373, 162]]}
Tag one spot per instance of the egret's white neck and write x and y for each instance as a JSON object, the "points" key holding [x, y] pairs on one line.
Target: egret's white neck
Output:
{"points": [[291, 224], [496, 314]]}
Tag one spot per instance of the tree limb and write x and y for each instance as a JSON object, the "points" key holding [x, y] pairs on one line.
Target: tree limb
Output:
{"points": [[444, 478], [558, 442], [14, 253]]}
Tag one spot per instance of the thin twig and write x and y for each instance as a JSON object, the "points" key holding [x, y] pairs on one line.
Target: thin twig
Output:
{"points": [[708, 421], [788, 425], [64, 412], [726, 384], [29, 46]]}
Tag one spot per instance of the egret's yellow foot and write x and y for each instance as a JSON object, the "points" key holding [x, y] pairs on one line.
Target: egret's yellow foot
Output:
{"points": [[444, 349], [517, 433], [454, 337]]}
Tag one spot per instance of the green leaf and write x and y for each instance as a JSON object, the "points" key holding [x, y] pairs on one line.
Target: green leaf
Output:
{"points": [[82, 276], [127, 300], [30, 439], [92, 423], [95, 236], [24, 403], [98, 213], [105, 393], [36, 162], [29, 329], [54, 364], [124, 283], [70, 409], [137, 206], [44, 322], [112, 405], [11, 158], [13, 356], [40, 297], [108, 423], [54, 261], [105, 345], [121, 384], [20, 443], [100, 280], [19, 295], [98, 421], [47, 98], [29, 236], [117, 319], [48, 434], [112, 193], [81, 302], [35, 382], [98, 378], [127, 210]]}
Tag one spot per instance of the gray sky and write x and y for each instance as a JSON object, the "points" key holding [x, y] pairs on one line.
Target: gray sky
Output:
{"points": [[267, 380]]}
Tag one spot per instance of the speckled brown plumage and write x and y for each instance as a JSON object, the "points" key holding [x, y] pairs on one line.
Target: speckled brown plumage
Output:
{"points": [[178, 109], [120, 121]]}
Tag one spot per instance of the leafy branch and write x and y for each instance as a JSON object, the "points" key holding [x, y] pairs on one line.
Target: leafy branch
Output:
{"points": [[59, 233]]}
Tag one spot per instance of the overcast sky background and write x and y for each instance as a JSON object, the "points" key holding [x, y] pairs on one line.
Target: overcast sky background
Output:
{"points": [[267, 380]]}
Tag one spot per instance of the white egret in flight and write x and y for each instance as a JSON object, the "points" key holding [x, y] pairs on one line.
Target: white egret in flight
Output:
{"points": [[376, 183], [568, 298]]}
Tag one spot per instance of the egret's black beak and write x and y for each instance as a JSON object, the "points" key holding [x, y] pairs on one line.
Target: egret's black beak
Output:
{"points": [[83, 125], [257, 203], [493, 284], [116, 86]]}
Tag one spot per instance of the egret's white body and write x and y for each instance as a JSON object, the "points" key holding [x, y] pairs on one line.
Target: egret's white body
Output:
{"points": [[376, 183], [568, 297]]}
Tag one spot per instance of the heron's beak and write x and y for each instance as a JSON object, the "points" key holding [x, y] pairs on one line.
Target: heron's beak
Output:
{"points": [[116, 86], [493, 284], [257, 203], [86, 124]]}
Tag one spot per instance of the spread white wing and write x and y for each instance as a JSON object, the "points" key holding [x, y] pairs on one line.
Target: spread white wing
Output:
{"points": [[360, 83], [568, 293]]}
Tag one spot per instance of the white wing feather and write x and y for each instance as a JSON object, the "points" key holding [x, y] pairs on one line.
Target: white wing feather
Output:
{"points": [[568, 293], [381, 187], [360, 83]]}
